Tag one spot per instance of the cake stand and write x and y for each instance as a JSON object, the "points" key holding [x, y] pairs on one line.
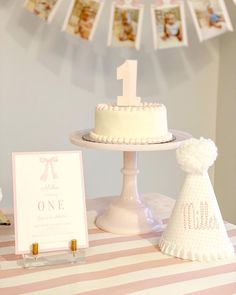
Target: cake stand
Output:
{"points": [[128, 214]]}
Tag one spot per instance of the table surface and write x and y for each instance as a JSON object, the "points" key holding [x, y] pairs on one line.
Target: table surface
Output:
{"points": [[119, 265]]}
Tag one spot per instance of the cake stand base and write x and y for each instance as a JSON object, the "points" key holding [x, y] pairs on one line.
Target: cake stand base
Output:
{"points": [[129, 214], [128, 218]]}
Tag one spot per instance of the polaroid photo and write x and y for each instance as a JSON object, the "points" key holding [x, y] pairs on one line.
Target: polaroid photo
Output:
{"points": [[44, 9], [82, 18], [169, 25], [210, 18], [125, 26]]}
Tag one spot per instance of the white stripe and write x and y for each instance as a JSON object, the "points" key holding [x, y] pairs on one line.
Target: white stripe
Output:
{"points": [[103, 249], [112, 246], [7, 250], [146, 274], [102, 235], [92, 237], [109, 247], [7, 238], [191, 285], [233, 240], [229, 226], [91, 216], [80, 268]]}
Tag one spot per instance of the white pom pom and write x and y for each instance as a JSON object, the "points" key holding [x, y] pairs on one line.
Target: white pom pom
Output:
{"points": [[196, 155]]}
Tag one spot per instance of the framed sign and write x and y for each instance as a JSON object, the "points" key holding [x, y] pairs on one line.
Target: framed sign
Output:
{"points": [[49, 201]]}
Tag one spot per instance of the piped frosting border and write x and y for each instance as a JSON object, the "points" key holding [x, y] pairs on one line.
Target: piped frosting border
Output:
{"points": [[146, 106], [125, 140]]}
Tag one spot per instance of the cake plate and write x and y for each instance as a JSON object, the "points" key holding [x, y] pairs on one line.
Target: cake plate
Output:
{"points": [[128, 214]]}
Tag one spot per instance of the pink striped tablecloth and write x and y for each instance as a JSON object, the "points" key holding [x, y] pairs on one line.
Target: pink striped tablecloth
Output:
{"points": [[119, 265]]}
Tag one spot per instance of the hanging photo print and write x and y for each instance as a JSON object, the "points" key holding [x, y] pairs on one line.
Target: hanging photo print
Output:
{"points": [[44, 9], [125, 25], [169, 25], [210, 18], [82, 18]]}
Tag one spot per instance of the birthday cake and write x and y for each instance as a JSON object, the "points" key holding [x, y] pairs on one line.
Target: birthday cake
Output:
{"points": [[131, 124], [130, 121]]}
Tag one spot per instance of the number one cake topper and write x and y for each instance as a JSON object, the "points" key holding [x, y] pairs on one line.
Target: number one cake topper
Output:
{"points": [[128, 73]]}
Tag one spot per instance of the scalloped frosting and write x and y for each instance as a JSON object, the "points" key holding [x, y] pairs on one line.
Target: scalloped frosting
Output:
{"points": [[219, 252], [146, 106], [125, 140]]}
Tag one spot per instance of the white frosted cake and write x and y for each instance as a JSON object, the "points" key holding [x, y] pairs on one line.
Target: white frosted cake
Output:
{"points": [[142, 124]]}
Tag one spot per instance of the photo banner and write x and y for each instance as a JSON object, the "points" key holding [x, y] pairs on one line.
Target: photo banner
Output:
{"points": [[82, 18], [125, 24], [169, 24], [168, 20], [44, 9], [210, 18]]}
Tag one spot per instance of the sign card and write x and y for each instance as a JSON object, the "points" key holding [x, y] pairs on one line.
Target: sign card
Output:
{"points": [[49, 201]]}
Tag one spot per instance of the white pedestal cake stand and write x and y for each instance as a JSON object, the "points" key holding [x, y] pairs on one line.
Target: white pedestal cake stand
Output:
{"points": [[129, 214]]}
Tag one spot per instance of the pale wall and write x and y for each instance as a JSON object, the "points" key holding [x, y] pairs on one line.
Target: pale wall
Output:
{"points": [[225, 172], [50, 84]]}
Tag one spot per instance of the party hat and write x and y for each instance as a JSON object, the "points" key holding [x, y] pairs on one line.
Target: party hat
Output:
{"points": [[196, 229]]}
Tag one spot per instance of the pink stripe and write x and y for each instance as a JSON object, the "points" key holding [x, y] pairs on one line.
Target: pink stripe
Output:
{"points": [[124, 239], [232, 232], [125, 288], [100, 242], [91, 259], [227, 289], [10, 229], [7, 244], [95, 243], [47, 284], [167, 280], [95, 231], [164, 221], [10, 257], [6, 230]]}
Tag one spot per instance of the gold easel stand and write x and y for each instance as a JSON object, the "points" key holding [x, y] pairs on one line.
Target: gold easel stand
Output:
{"points": [[36, 259], [4, 220]]}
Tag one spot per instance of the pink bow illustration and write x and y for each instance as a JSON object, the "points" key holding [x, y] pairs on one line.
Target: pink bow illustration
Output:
{"points": [[48, 166]]}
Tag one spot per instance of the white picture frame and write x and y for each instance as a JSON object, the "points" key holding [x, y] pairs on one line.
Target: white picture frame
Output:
{"points": [[49, 201], [83, 28], [161, 38], [44, 9], [201, 15], [121, 38]]}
